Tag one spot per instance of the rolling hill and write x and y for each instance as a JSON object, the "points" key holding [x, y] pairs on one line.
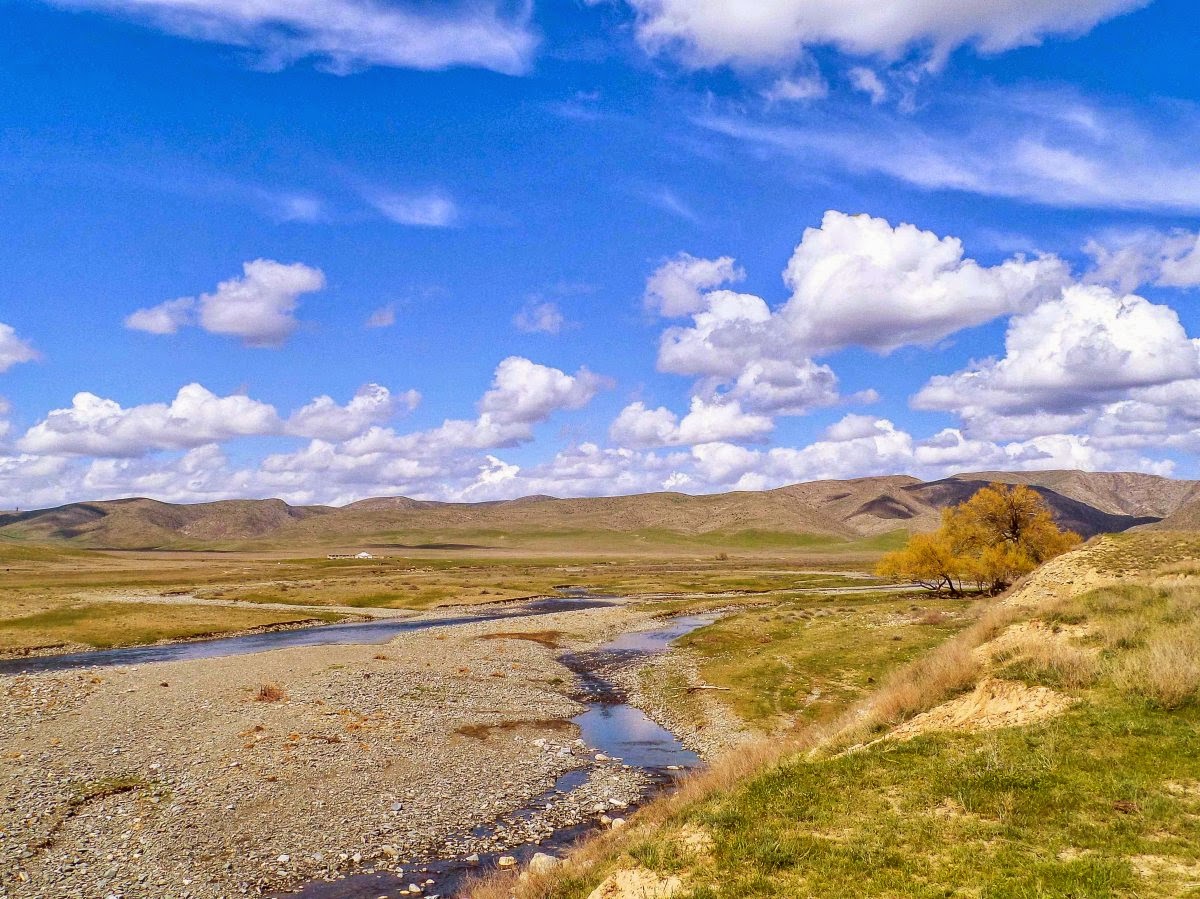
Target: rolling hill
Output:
{"points": [[1185, 518], [1089, 503]]}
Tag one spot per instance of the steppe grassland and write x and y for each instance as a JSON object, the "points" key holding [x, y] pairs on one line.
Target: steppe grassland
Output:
{"points": [[51, 596]]}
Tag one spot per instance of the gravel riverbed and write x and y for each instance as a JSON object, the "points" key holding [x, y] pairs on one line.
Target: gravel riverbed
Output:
{"points": [[199, 779]]}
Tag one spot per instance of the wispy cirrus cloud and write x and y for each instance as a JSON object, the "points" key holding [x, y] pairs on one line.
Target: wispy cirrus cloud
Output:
{"points": [[343, 35], [1046, 146], [429, 209]]}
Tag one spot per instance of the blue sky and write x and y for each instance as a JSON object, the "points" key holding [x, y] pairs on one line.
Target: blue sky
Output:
{"points": [[481, 250]]}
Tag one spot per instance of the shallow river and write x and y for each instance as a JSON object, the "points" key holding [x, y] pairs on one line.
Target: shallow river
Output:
{"points": [[377, 631], [609, 725]]}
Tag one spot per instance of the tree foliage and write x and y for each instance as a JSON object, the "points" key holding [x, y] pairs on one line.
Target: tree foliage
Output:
{"points": [[987, 542]]}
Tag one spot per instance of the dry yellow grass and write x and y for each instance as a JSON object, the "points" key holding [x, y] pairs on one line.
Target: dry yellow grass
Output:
{"points": [[948, 670], [45, 624], [1165, 672], [1047, 654]]}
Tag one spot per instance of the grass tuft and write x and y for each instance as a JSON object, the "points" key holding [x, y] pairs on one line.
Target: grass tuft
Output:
{"points": [[1165, 672]]}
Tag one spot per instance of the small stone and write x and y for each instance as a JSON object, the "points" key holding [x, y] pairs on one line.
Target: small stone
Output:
{"points": [[506, 861]]}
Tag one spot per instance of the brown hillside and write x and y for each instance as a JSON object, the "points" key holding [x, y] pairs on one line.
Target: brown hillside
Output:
{"points": [[145, 523], [1185, 518], [862, 507], [675, 512], [868, 506], [1085, 520], [1115, 492]]}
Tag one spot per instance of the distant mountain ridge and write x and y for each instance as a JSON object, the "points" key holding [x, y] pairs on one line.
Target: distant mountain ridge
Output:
{"points": [[1086, 502]]}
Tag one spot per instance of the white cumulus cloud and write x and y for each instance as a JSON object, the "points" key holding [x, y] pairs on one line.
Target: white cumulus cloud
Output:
{"points": [[705, 33], [372, 404], [165, 318], [96, 426], [705, 422], [524, 392], [259, 307], [100, 427], [675, 288], [857, 280], [1088, 347], [1131, 259], [14, 349], [854, 281]]}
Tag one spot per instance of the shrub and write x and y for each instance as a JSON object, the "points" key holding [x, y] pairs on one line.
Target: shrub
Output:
{"points": [[270, 693]]}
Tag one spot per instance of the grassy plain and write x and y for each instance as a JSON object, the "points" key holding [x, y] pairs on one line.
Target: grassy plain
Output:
{"points": [[1101, 799], [61, 596], [105, 625]]}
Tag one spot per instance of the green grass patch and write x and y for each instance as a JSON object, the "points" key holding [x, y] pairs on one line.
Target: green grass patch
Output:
{"points": [[108, 625], [1054, 810], [806, 659]]}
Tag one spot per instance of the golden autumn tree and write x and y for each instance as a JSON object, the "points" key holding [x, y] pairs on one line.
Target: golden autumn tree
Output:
{"points": [[995, 537]]}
